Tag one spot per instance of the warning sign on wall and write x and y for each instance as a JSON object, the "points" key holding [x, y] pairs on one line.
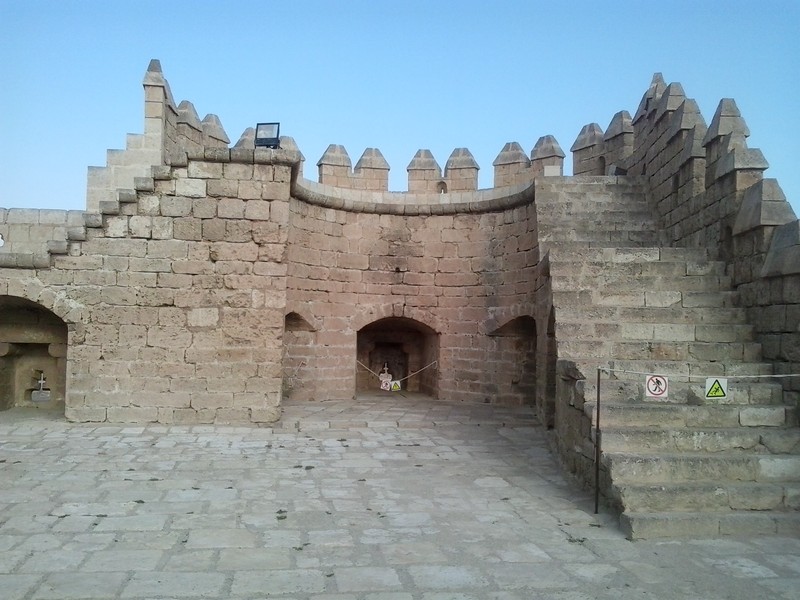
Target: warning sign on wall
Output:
{"points": [[716, 388], [656, 386]]}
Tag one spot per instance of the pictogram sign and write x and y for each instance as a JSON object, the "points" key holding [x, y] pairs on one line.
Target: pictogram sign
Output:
{"points": [[657, 386], [395, 386], [716, 388]]}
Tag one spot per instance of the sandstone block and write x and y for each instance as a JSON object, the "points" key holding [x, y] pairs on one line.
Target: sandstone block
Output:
{"points": [[232, 415], [205, 170], [191, 188], [230, 208], [762, 416], [237, 171], [275, 191], [247, 252], [214, 229], [187, 228], [176, 206], [85, 414], [130, 414], [169, 337], [265, 415], [258, 210], [249, 190], [162, 228], [173, 249], [263, 172], [116, 227], [151, 265], [204, 208], [189, 416], [203, 317], [222, 188], [141, 226], [174, 280], [662, 299], [213, 401]]}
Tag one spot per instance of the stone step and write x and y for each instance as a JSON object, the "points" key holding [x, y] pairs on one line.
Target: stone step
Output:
{"points": [[590, 300], [671, 468], [631, 390], [696, 525], [661, 350], [580, 185], [680, 370], [604, 218], [621, 331], [710, 496], [661, 268], [632, 254], [643, 239], [663, 309], [683, 415], [762, 440], [617, 285], [611, 237], [586, 209]]}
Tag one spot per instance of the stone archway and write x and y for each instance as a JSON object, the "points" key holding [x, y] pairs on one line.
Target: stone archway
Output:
{"points": [[514, 361], [404, 346], [33, 355]]}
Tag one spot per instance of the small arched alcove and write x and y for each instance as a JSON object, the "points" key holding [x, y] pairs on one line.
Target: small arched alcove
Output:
{"points": [[33, 355], [298, 354], [406, 348], [514, 361]]}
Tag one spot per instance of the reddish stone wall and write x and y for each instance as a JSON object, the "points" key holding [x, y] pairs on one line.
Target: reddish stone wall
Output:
{"points": [[461, 276]]}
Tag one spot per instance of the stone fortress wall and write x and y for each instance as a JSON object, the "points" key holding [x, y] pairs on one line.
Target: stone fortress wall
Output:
{"points": [[205, 283]]}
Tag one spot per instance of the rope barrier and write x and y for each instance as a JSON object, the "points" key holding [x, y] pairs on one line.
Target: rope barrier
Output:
{"points": [[404, 378], [598, 432], [611, 371]]}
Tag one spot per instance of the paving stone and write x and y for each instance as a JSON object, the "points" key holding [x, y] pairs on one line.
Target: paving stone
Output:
{"points": [[366, 579], [177, 585], [221, 538], [109, 561], [77, 585], [489, 515], [271, 583], [17, 587]]}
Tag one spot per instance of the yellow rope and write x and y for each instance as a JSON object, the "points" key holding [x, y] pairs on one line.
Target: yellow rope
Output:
{"points": [[404, 378]]}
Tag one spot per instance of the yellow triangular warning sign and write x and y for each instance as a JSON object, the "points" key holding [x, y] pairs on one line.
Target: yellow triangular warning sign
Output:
{"points": [[395, 386], [716, 390]]}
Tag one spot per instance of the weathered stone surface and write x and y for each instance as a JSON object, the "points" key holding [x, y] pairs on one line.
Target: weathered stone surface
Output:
{"points": [[206, 284]]}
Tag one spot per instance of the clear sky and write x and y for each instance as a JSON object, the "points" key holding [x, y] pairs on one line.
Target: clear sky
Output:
{"points": [[396, 75]]}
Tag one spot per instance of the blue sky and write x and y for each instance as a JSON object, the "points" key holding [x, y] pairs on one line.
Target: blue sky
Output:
{"points": [[398, 76]]}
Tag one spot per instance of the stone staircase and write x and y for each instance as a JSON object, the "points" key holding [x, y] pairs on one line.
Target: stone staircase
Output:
{"points": [[684, 465]]}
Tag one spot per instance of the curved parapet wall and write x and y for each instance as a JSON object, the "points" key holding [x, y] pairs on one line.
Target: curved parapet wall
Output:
{"points": [[406, 203]]}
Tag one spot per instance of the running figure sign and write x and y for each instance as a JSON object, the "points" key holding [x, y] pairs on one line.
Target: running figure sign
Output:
{"points": [[656, 386]]}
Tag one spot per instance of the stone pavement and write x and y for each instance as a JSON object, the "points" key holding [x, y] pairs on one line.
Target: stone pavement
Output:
{"points": [[391, 497]]}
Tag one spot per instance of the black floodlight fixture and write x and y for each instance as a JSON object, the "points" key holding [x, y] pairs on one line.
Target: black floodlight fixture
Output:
{"points": [[268, 135]]}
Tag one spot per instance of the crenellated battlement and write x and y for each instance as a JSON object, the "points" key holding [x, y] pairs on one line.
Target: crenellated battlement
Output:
{"points": [[175, 131], [665, 118]]}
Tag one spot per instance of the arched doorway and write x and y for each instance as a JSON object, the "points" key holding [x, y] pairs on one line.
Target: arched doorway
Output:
{"points": [[33, 355], [514, 360], [404, 347]]}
